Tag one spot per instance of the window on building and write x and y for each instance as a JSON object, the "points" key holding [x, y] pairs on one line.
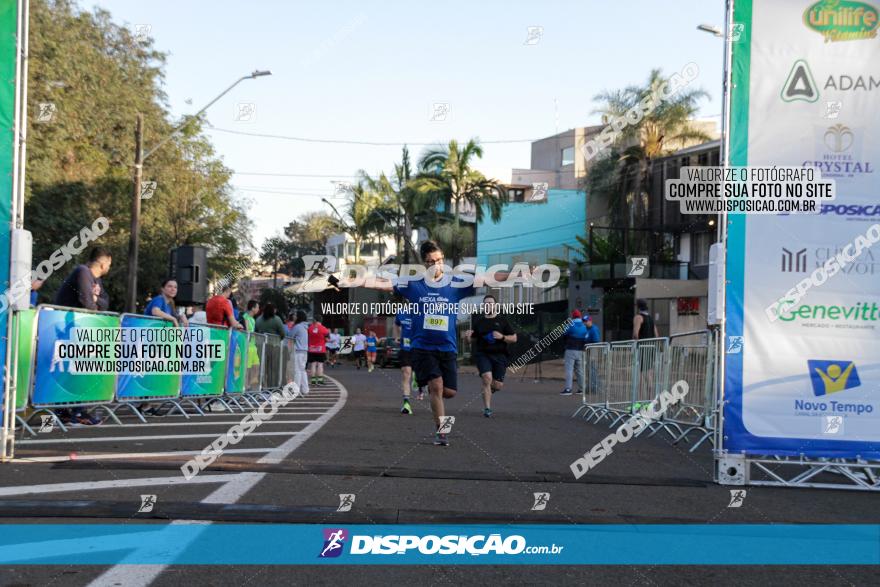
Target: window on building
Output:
{"points": [[700, 244], [516, 195], [568, 156]]}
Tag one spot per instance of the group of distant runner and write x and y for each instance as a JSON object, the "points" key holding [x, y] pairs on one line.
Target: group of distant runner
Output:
{"points": [[428, 340]]}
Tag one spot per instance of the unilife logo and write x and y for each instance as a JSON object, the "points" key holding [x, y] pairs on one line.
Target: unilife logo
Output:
{"points": [[832, 376], [334, 542]]}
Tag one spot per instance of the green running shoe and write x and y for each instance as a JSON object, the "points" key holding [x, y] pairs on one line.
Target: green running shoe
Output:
{"points": [[406, 409]]}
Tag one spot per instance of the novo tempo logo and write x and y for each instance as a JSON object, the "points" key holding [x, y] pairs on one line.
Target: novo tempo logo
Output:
{"points": [[832, 376]]}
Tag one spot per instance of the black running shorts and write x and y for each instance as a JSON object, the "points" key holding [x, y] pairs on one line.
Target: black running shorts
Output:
{"points": [[429, 365], [494, 363], [317, 357]]}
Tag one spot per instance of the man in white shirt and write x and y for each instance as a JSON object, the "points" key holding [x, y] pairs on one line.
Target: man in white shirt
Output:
{"points": [[360, 342]]}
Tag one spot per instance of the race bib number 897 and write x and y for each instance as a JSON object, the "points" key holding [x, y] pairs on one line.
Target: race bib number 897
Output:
{"points": [[436, 322]]}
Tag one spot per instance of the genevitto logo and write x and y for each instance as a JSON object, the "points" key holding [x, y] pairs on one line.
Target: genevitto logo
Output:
{"points": [[476, 545], [842, 20], [858, 316]]}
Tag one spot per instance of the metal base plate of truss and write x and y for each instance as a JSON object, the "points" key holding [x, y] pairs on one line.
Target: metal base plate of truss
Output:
{"points": [[816, 473]]}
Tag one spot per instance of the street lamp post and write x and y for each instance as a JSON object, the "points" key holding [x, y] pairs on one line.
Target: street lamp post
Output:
{"points": [[139, 158]]}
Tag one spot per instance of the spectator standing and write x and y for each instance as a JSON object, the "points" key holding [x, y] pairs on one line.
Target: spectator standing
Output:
{"points": [[218, 310], [301, 352], [268, 322], [643, 323], [162, 306], [84, 289], [253, 355], [575, 338]]}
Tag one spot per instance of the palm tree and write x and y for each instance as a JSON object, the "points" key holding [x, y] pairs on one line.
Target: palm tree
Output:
{"points": [[402, 206], [362, 220], [623, 177], [597, 251], [447, 177]]}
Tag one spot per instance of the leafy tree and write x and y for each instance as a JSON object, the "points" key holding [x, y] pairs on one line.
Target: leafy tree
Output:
{"points": [[98, 76], [273, 253], [278, 298], [306, 236]]}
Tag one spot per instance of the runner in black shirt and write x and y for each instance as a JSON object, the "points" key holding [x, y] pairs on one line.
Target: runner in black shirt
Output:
{"points": [[491, 334]]}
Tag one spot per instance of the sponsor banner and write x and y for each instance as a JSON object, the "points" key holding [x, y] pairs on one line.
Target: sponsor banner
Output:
{"points": [[25, 328], [687, 544], [236, 367], [8, 64], [806, 92], [147, 385], [54, 383], [212, 382]]}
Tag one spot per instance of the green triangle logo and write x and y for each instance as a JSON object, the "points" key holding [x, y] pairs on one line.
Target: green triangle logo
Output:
{"points": [[800, 85]]}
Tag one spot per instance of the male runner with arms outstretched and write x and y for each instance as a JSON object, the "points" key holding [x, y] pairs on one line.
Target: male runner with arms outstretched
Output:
{"points": [[434, 344]]}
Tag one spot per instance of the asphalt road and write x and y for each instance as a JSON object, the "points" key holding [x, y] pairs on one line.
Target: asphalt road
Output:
{"points": [[351, 439]]}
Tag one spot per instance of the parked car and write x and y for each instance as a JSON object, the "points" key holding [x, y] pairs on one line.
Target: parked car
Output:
{"points": [[388, 352]]}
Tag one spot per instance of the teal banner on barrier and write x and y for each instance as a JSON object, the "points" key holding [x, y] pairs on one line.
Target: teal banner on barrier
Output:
{"points": [[25, 331], [211, 383], [54, 383], [149, 385], [236, 361], [9, 21]]}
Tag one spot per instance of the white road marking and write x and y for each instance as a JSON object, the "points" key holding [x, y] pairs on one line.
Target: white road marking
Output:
{"points": [[186, 423], [293, 411], [131, 455], [144, 575], [131, 438], [114, 484]]}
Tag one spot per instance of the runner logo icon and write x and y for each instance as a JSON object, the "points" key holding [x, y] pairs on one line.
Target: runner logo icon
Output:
{"points": [[832, 376], [734, 345], [334, 541]]}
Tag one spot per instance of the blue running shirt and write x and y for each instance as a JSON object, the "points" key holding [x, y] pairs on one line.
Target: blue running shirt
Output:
{"points": [[433, 328]]}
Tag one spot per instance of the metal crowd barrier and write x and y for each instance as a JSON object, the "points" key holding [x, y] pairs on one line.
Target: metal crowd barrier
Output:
{"points": [[623, 377], [43, 383]]}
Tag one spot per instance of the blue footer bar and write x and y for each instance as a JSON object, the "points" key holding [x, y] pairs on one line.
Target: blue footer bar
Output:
{"points": [[295, 544]]}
